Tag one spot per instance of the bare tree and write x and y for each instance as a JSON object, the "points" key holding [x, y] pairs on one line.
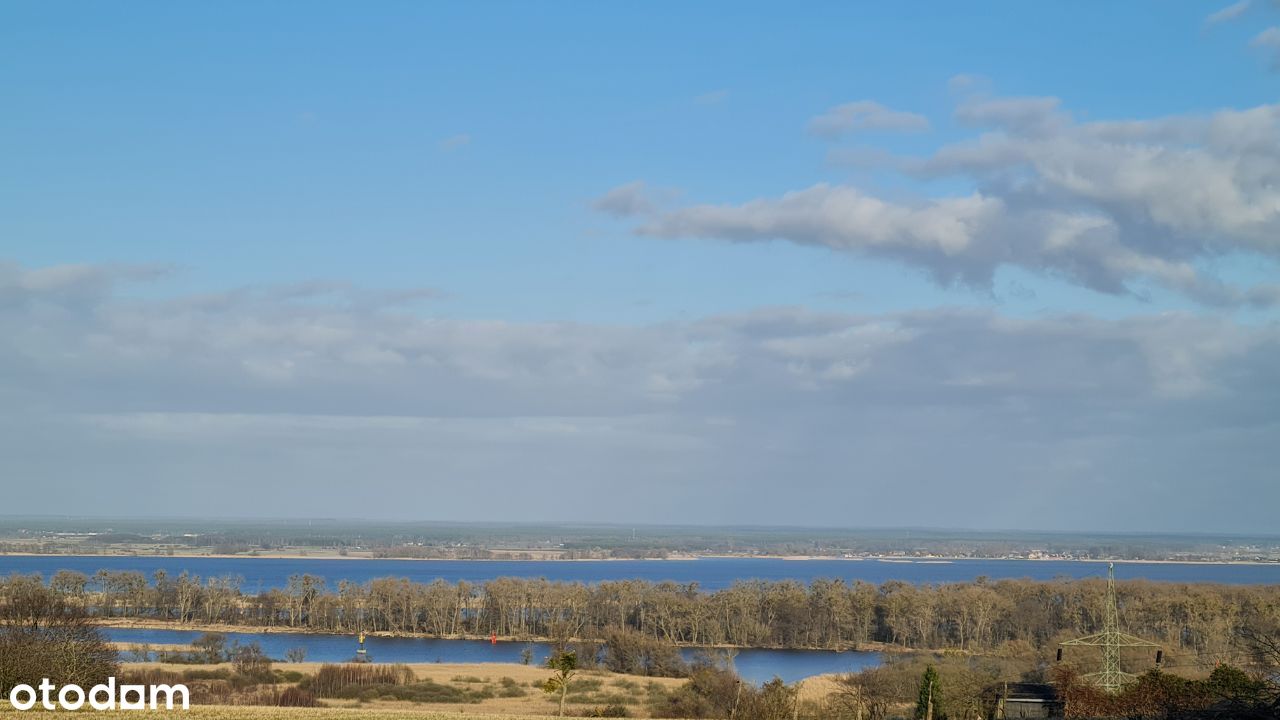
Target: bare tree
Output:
{"points": [[44, 636]]}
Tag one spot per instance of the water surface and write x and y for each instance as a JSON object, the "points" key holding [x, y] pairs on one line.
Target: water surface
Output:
{"points": [[753, 665], [709, 573]]}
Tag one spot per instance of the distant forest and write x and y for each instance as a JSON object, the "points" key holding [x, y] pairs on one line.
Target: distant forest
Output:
{"points": [[1199, 619]]}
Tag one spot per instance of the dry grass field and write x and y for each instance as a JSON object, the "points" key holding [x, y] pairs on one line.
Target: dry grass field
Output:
{"points": [[510, 689], [272, 713], [513, 689]]}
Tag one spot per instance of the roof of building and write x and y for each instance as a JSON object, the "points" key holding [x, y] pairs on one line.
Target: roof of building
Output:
{"points": [[1030, 692]]}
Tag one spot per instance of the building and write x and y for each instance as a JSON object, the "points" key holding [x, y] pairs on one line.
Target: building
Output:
{"points": [[1028, 700]]}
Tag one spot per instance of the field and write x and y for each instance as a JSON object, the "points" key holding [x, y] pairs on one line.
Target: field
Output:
{"points": [[271, 713], [513, 689], [499, 689], [596, 689]]}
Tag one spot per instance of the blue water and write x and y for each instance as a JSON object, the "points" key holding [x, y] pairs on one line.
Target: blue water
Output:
{"points": [[754, 665], [710, 573]]}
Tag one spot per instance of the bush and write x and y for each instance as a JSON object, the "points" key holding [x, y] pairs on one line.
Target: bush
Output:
{"points": [[635, 653], [582, 686], [210, 674], [609, 711], [296, 697], [210, 648], [150, 676], [250, 661], [710, 692], [332, 679], [425, 691], [42, 636], [510, 688]]}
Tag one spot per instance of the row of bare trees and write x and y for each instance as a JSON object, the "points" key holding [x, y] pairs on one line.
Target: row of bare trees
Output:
{"points": [[978, 615]]}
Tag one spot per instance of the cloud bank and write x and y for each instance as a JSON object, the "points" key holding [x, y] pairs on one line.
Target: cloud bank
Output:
{"points": [[778, 415]]}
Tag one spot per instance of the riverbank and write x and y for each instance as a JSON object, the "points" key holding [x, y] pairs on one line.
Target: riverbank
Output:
{"points": [[173, 625]]}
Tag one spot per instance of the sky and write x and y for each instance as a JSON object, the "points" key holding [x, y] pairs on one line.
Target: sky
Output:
{"points": [[979, 265]]}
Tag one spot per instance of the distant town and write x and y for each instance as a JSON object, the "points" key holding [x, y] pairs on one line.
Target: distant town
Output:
{"points": [[465, 541]]}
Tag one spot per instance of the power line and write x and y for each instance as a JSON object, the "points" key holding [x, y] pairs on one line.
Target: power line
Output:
{"points": [[1111, 678]]}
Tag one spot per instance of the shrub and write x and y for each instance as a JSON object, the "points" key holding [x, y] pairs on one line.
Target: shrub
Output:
{"points": [[43, 636], [150, 676], [210, 674], [710, 692], [419, 692], [334, 678], [635, 653], [296, 697], [511, 688], [250, 661], [584, 685], [210, 648]]}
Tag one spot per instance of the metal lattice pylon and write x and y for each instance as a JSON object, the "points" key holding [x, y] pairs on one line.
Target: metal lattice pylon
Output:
{"points": [[1111, 678]]}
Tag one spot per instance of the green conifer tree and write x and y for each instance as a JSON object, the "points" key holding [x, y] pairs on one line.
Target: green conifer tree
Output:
{"points": [[928, 706]]}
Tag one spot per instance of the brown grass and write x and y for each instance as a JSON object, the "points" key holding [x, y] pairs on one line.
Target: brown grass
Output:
{"points": [[272, 713], [534, 703]]}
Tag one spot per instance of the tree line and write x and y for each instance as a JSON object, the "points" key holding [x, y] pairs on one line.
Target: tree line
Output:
{"points": [[973, 616]]}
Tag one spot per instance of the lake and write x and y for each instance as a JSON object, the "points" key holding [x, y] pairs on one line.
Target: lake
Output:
{"points": [[756, 666], [709, 573]]}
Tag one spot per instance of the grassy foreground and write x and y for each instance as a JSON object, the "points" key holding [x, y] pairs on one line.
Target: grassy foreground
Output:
{"points": [[508, 692], [227, 712]]}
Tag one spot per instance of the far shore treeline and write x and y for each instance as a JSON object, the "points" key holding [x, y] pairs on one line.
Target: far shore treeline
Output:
{"points": [[1198, 619]]}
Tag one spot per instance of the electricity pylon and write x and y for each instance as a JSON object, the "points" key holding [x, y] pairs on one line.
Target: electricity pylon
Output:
{"points": [[1111, 678]]}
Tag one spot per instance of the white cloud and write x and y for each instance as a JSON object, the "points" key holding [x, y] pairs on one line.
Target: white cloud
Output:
{"points": [[625, 200], [271, 391], [1269, 40], [1101, 204], [842, 218], [865, 115], [1228, 13], [1024, 115]]}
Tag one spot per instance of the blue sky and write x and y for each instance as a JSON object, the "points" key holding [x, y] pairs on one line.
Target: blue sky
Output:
{"points": [[262, 144], [175, 153]]}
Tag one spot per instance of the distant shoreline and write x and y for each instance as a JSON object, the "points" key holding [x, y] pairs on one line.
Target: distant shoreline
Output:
{"points": [[680, 558]]}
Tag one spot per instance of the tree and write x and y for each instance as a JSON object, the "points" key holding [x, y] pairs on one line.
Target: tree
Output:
{"points": [[44, 636], [250, 661], [927, 706], [211, 647], [774, 701], [565, 665], [868, 694], [295, 655], [633, 652]]}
